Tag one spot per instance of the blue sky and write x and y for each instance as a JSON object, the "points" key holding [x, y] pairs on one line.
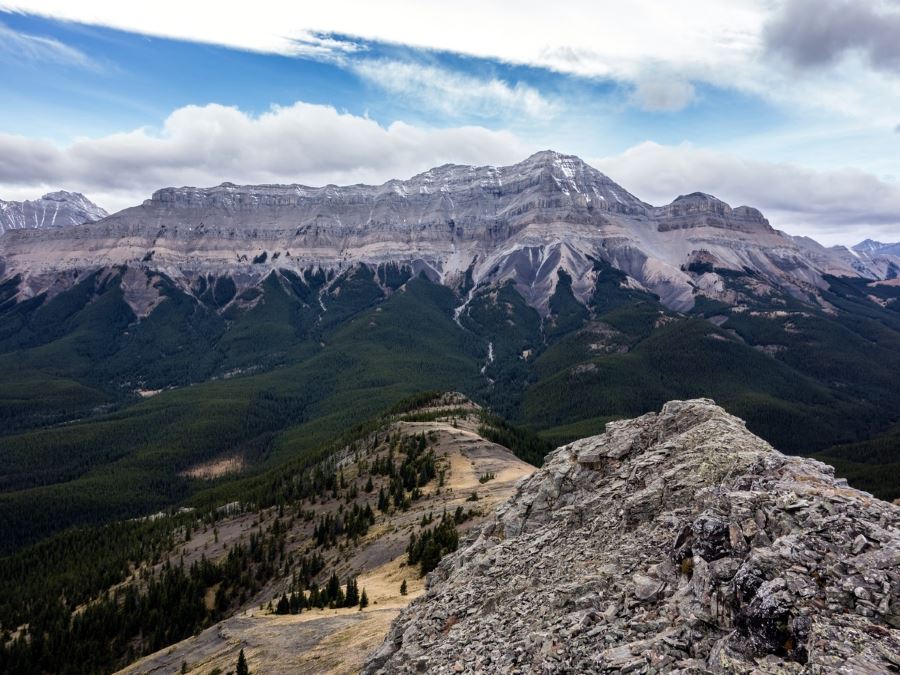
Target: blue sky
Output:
{"points": [[118, 99]]}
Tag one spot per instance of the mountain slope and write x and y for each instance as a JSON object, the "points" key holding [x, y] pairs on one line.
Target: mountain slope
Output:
{"points": [[676, 540]]}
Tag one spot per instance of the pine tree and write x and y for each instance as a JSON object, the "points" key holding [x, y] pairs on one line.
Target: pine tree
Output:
{"points": [[369, 485], [283, 606], [242, 668], [403, 588], [363, 600]]}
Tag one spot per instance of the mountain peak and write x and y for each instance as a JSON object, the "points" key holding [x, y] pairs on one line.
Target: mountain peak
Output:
{"points": [[55, 209], [549, 157]]}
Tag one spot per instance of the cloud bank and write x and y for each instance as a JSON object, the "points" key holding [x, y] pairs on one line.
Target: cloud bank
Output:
{"points": [[207, 145], [316, 144]]}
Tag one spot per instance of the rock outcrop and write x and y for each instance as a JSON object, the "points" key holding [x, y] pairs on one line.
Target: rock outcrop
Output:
{"points": [[458, 225], [674, 542]]}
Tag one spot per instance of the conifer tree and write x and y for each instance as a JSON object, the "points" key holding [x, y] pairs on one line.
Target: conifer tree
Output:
{"points": [[242, 668], [363, 600], [403, 588]]}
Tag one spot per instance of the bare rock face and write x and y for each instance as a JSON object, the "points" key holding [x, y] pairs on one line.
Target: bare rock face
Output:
{"points": [[702, 210], [55, 209], [674, 542]]}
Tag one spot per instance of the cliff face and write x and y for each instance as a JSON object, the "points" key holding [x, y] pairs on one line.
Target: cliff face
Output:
{"points": [[676, 541], [488, 225]]}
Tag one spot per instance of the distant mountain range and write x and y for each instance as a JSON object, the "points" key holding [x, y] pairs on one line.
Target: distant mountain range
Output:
{"points": [[461, 226]]}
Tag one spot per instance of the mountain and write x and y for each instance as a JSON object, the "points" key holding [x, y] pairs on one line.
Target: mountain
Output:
{"points": [[871, 247], [871, 258], [250, 325], [459, 225], [53, 210], [677, 541]]}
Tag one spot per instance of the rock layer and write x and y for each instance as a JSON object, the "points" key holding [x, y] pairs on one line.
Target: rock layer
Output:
{"points": [[674, 542]]}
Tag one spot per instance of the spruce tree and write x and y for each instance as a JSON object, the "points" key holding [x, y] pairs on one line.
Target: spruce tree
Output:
{"points": [[351, 599], [403, 588], [242, 668], [363, 600]]}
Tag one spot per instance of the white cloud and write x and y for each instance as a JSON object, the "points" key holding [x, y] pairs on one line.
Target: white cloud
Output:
{"points": [[663, 94], [837, 206], [696, 41], [25, 46], [587, 37], [207, 145], [455, 93]]}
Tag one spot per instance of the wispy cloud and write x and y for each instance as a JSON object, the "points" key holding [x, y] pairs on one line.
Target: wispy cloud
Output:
{"points": [[24, 46], [324, 46], [455, 93]]}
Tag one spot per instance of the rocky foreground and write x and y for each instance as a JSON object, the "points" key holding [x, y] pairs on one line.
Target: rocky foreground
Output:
{"points": [[674, 542]]}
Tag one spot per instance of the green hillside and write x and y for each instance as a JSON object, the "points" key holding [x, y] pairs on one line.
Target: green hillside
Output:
{"points": [[269, 374]]}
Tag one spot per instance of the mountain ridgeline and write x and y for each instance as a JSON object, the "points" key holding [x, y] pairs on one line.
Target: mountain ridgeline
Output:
{"points": [[177, 351]]}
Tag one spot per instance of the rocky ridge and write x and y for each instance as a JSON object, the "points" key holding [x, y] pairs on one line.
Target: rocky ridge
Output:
{"points": [[674, 542], [456, 224], [54, 209]]}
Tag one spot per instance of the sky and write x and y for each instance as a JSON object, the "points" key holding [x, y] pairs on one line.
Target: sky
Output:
{"points": [[791, 106]]}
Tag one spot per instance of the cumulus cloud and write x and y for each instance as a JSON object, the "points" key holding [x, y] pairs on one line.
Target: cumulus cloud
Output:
{"points": [[455, 93], [820, 32], [839, 206], [305, 143], [663, 94], [25, 46]]}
